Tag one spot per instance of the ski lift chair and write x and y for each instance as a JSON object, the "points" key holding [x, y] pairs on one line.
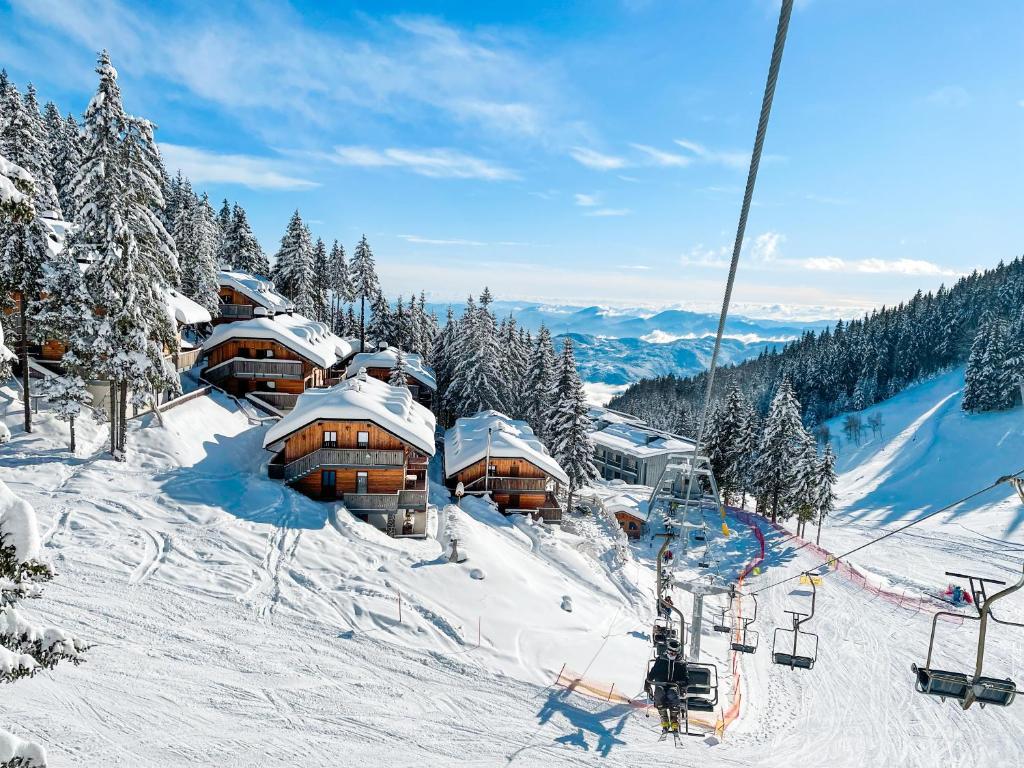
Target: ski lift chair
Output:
{"points": [[698, 693], [720, 625], [745, 639], [793, 658], [962, 687]]}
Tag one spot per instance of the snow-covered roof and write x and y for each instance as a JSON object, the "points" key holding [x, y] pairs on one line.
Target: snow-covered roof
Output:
{"points": [[256, 288], [466, 443], [358, 399], [385, 358], [186, 311], [634, 504], [306, 338], [639, 440]]}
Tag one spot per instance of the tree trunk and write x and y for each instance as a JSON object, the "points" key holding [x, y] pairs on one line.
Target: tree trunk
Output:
{"points": [[24, 363], [817, 539], [122, 426], [71, 427], [112, 413], [775, 506]]}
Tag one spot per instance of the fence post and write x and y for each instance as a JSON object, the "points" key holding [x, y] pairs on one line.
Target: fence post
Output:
{"points": [[559, 678], [610, 692]]}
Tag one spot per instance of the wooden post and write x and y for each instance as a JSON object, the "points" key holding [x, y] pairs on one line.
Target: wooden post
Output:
{"points": [[559, 678], [610, 692]]}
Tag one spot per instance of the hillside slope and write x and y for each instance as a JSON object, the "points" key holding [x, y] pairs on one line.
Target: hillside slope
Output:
{"points": [[237, 623]]}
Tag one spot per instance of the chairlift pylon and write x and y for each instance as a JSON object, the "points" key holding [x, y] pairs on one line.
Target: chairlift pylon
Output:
{"points": [[970, 688], [794, 659]]}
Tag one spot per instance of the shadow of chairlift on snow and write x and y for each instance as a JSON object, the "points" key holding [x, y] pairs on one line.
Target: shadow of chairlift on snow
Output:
{"points": [[585, 722]]}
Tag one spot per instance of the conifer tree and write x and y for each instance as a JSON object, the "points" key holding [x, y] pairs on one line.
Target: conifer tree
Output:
{"points": [[475, 373], [198, 254], [241, 250], [321, 283], [825, 500], [65, 156], [224, 219], [442, 361], [780, 451], [381, 327], [365, 284], [569, 427], [400, 372], [293, 270], [23, 141], [340, 287], [988, 385], [541, 378]]}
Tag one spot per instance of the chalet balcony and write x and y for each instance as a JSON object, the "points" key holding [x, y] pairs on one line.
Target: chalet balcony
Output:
{"points": [[279, 401], [338, 457], [507, 484], [187, 358], [371, 502], [412, 499], [236, 311], [244, 368]]}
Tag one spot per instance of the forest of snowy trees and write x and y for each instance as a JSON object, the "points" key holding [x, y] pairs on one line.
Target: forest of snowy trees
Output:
{"points": [[766, 409]]}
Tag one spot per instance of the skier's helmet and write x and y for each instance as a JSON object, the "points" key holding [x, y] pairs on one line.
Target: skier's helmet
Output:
{"points": [[672, 649]]}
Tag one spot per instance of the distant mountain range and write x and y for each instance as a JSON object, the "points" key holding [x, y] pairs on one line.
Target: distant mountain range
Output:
{"points": [[618, 346]]}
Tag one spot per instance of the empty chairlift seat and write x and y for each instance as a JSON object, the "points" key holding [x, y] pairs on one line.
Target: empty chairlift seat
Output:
{"points": [[957, 685]]}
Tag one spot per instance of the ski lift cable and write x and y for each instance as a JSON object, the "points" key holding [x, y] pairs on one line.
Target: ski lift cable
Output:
{"points": [[755, 162], [1011, 478]]}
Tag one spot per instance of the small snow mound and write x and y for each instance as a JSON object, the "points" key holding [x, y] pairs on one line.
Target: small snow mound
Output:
{"points": [[18, 525], [11, 748], [567, 603], [477, 574], [5, 434]]}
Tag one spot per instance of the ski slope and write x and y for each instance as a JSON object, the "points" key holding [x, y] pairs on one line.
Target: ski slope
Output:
{"points": [[237, 623]]}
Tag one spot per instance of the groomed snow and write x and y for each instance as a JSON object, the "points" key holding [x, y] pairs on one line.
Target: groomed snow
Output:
{"points": [[256, 288], [386, 358], [357, 399], [306, 338], [466, 444]]}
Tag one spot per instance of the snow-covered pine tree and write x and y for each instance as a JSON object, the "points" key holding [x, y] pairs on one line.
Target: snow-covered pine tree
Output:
{"points": [[365, 285], [224, 219], [442, 361], [26, 143], [340, 287], [802, 499], [541, 377], [780, 450], [825, 498], [321, 283], [15, 193], [475, 377], [65, 149], [1014, 366], [351, 322], [119, 233], [401, 326], [241, 250], [66, 393], [511, 368], [380, 330], [25, 646], [199, 257], [569, 427], [987, 383], [293, 267], [400, 372]]}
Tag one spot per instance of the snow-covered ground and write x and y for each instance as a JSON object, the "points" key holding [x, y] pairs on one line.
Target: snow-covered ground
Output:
{"points": [[238, 623]]}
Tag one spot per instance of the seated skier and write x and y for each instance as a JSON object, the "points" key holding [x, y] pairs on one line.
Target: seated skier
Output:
{"points": [[665, 680]]}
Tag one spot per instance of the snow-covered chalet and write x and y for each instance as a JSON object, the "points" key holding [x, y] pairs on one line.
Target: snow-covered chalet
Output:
{"points": [[419, 377], [492, 454], [361, 441], [627, 449], [244, 296]]}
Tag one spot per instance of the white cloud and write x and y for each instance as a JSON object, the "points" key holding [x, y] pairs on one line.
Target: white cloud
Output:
{"points": [[438, 163], [952, 96], [586, 201], [202, 166], [699, 256], [658, 157], [717, 157], [436, 241], [766, 246], [605, 212], [907, 267], [598, 161]]}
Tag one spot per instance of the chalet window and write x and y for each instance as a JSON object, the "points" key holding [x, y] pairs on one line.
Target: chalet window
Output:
{"points": [[362, 480], [330, 439], [492, 469], [268, 353], [244, 352], [362, 439]]}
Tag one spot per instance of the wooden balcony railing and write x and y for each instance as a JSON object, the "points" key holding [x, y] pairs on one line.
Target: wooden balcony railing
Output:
{"points": [[187, 358], [371, 502], [341, 457], [508, 484], [412, 499], [281, 401], [244, 368]]}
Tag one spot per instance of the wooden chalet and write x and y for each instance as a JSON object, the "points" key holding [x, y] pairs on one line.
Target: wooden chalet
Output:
{"points": [[419, 376], [275, 359], [244, 297], [494, 455], [364, 443]]}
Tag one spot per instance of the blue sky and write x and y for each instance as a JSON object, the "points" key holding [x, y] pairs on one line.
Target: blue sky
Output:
{"points": [[589, 153]]}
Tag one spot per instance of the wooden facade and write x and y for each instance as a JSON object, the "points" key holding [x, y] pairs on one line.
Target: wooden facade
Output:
{"points": [[632, 525], [378, 476], [234, 305], [421, 393], [275, 368], [514, 484]]}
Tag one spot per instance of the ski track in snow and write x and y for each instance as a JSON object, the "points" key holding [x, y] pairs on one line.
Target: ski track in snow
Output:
{"points": [[273, 630]]}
